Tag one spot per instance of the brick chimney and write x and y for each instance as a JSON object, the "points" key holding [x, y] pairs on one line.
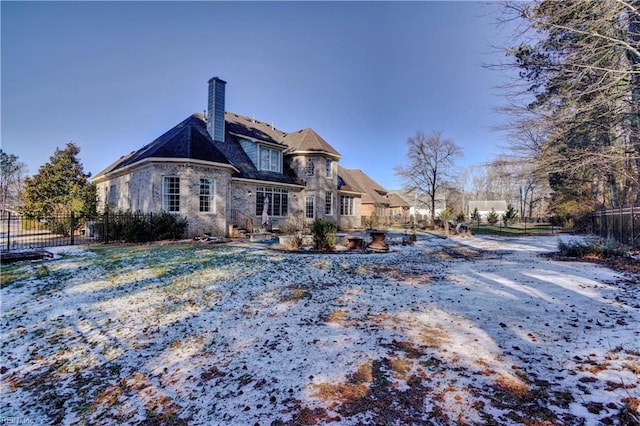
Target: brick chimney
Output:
{"points": [[215, 113]]}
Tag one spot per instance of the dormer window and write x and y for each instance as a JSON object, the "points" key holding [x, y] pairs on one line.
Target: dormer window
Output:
{"points": [[269, 159]]}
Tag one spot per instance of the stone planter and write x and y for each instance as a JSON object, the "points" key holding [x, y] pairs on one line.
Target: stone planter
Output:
{"points": [[260, 236], [378, 241], [289, 240], [354, 243]]}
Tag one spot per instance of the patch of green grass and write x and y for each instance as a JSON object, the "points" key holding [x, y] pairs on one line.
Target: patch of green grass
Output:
{"points": [[14, 273], [513, 230], [175, 265]]}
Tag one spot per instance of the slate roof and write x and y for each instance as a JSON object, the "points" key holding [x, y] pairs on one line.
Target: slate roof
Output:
{"points": [[252, 128], [307, 140], [373, 193], [189, 140]]}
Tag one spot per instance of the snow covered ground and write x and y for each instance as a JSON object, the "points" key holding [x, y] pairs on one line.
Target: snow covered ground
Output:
{"points": [[474, 330]]}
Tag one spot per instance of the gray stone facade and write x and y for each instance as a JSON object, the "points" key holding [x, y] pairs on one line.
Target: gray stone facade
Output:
{"points": [[347, 222], [318, 185], [246, 159], [243, 203], [141, 190]]}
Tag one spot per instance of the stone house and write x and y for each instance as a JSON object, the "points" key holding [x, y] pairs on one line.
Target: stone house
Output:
{"points": [[399, 208], [375, 199], [220, 169]]}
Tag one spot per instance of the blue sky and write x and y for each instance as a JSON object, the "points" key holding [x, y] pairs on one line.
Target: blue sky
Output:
{"points": [[113, 76]]}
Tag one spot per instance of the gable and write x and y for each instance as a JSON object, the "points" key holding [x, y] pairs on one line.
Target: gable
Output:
{"points": [[246, 167], [308, 141]]}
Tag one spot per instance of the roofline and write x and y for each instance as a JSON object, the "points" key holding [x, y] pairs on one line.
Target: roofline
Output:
{"points": [[268, 182], [340, 191], [319, 152], [140, 163], [278, 145]]}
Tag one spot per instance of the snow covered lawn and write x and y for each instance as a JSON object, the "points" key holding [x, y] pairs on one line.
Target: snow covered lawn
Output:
{"points": [[472, 330]]}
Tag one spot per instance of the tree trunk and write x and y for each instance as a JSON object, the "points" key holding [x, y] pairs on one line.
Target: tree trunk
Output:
{"points": [[433, 210]]}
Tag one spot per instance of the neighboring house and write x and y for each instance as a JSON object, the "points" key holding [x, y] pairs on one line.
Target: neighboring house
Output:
{"points": [[375, 199], [399, 208], [485, 206], [420, 204], [350, 196], [218, 171]]}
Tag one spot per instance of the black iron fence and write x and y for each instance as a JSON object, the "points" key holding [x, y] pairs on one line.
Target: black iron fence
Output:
{"points": [[20, 232], [620, 224]]}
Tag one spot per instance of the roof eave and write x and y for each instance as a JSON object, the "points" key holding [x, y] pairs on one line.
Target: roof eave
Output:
{"points": [[313, 152], [341, 191], [268, 182]]}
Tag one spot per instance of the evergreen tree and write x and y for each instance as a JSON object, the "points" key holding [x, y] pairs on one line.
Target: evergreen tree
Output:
{"points": [[475, 216], [60, 187], [578, 112], [510, 216], [493, 217]]}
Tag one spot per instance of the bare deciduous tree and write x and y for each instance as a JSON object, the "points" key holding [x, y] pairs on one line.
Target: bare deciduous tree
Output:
{"points": [[479, 185], [12, 174], [575, 106], [431, 160]]}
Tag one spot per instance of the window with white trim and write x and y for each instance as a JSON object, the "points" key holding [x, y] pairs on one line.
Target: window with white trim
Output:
{"points": [[269, 159], [327, 167], [127, 195], [310, 211], [207, 195], [346, 205], [328, 203], [112, 195], [171, 194]]}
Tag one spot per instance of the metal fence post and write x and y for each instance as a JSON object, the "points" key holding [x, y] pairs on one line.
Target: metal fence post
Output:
{"points": [[621, 231], [73, 229], [9, 232]]}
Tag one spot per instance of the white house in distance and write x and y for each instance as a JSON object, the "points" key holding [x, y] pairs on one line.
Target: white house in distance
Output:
{"points": [[217, 170], [485, 206], [420, 205]]}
